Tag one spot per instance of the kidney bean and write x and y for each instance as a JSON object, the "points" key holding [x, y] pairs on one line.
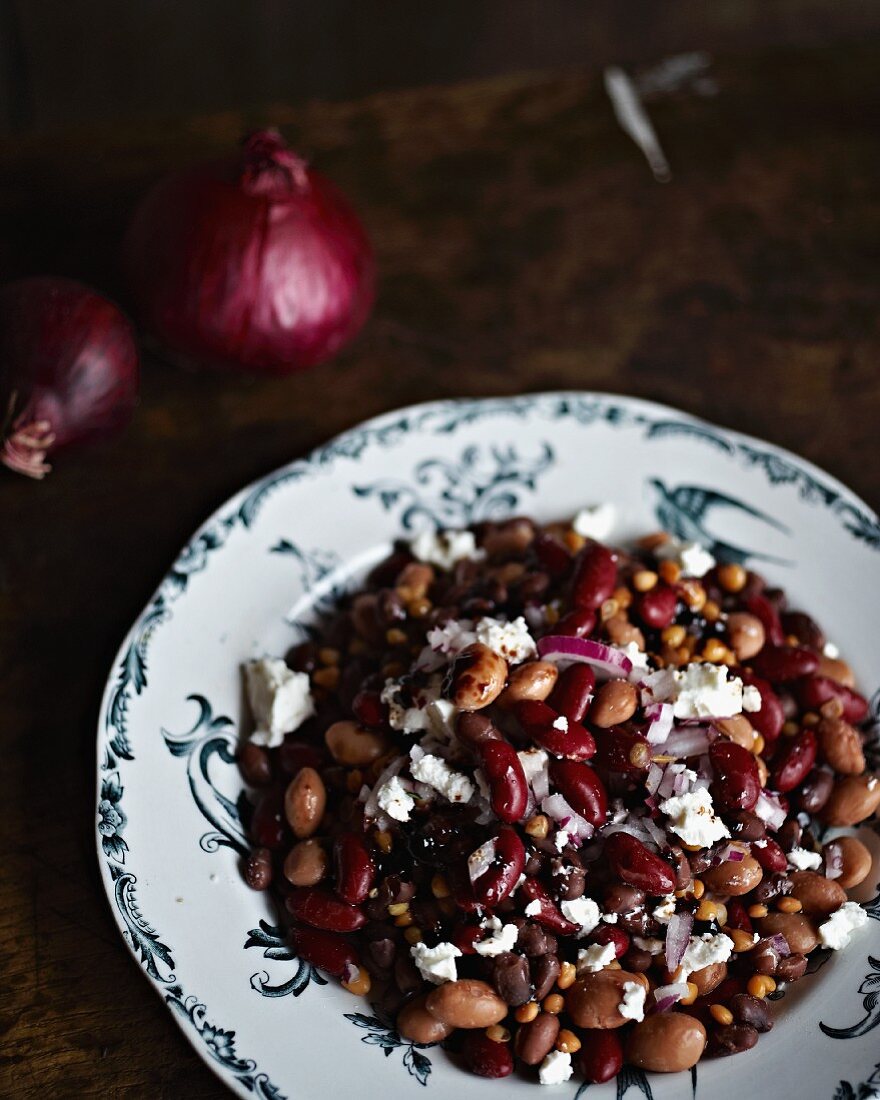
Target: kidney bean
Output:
{"points": [[736, 784], [466, 936], [666, 1042], [321, 909], [745, 826], [511, 978], [532, 680], [326, 950], [354, 747], [536, 718], [732, 1039], [751, 1010], [548, 915], [746, 634], [815, 791], [573, 692], [818, 895], [734, 878], [354, 868], [594, 1000], [621, 631], [595, 576], [796, 759], [582, 789], [791, 968], [478, 677], [494, 885], [552, 555], [576, 624], [632, 862], [467, 1003], [416, 1023], [763, 609], [258, 869], [294, 755], [799, 930], [615, 703], [853, 799], [268, 829], [621, 750], [473, 728], [536, 1039], [610, 933], [769, 855], [855, 861], [769, 720], [601, 1055], [544, 971], [368, 709], [305, 863], [533, 940], [781, 663], [656, 607], [509, 791], [841, 746], [814, 691], [486, 1058]]}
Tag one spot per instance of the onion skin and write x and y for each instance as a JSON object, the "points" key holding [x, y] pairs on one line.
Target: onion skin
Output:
{"points": [[256, 262], [68, 370]]}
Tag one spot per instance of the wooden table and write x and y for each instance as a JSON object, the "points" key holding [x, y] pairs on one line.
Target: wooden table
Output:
{"points": [[523, 245]]}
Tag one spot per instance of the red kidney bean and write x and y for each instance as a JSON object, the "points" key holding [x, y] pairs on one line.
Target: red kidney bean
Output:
{"points": [[473, 728], [258, 869], [656, 607], [620, 750], [816, 690], [769, 855], [321, 909], [495, 884], [582, 789], [466, 936], [595, 576], [737, 915], [601, 1055], [632, 862], [764, 610], [537, 719], [509, 791], [736, 784], [781, 663], [548, 915], [553, 557], [486, 1058], [368, 709], [269, 825], [355, 870], [294, 755], [326, 950], [573, 692], [806, 630], [795, 761], [576, 624], [610, 933], [769, 720]]}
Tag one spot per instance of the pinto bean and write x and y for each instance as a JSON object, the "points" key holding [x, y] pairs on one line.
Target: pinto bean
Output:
{"points": [[733, 878], [841, 746], [621, 631], [594, 1000], [304, 802], [535, 1040], [466, 1003], [738, 729], [306, 863], [666, 1042], [836, 670], [799, 930], [532, 680], [746, 634], [478, 678], [853, 800], [709, 977], [818, 895], [855, 861], [416, 1023], [615, 702], [353, 746]]}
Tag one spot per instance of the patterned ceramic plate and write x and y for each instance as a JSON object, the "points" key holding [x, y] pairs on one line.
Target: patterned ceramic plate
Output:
{"points": [[170, 805]]}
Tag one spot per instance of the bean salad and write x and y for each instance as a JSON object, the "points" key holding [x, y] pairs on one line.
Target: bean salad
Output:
{"points": [[561, 805]]}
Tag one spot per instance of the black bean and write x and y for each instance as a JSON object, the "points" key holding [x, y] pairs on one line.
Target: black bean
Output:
{"points": [[620, 898], [747, 1009], [512, 979], [699, 862], [258, 869], [573, 884], [381, 954], [805, 629], [545, 971], [406, 976], [635, 921], [390, 891], [426, 914], [789, 835], [255, 765], [732, 1039], [815, 791], [746, 826], [533, 940], [391, 607], [636, 960], [535, 864], [772, 886], [791, 968], [532, 587]]}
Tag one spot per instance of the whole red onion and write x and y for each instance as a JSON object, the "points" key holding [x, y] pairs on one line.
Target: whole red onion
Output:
{"points": [[68, 370], [256, 262]]}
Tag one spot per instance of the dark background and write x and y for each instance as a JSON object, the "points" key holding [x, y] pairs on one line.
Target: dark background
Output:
{"points": [[522, 244]]}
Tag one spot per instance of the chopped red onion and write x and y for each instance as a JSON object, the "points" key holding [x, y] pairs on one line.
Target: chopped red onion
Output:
{"points": [[729, 853], [684, 742], [660, 717], [350, 971], [769, 810], [667, 783], [604, 658], [651, 802], [565, 817], [779, 944], [665, 996], [833, 861], [652, 779], [678, 934], [481, 860], [637, 830], [657, 834]]}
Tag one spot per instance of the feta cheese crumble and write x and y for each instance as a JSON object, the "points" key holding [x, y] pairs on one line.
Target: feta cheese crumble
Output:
{"points": [[279, 698], [502, 938], [437, 774], [632, 1007], [445, 548], [395, 800], [692, 559], [692, 817], [804, 860], [561, 724], [700, 691], [583, 911], [555, 1069], [596, 521], [704, 951], [665, 911], [533, 908], [561, 840], [836, 931], [510, 640], [436, 964], [594, 958]]}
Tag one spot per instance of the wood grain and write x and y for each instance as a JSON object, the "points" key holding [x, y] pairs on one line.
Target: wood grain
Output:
{"points": [[523, 245]]}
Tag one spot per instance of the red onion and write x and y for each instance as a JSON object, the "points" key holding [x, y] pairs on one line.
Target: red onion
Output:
{"points": [[678, 934], [256, 262], [769, 810], [665, 996], [565, 817], [481, 860], [729, 854], [68, 370], [779, 944], [660, 716], [604, 658], [833, 861], [685, 742]]}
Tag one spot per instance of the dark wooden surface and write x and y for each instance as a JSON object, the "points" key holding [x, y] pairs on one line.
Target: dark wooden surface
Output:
{"points": [[523, 245]]}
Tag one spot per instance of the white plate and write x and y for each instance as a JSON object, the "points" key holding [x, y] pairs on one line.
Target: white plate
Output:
{"points": [[169, 834]]}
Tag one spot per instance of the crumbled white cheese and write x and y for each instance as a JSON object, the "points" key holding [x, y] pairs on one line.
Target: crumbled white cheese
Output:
{"points": [[436, 964], [596, 521], [561, 840], [692, 817], [699, 691], [279, 698], [445, 548], [561, 724], [638, 658], [556, 1068], [632, 1007], [437, 774], [804, 860], [650, 944], [502, 938], [533, 908], [510, 640], [401, 717], [836, 931], [395, 800], [831, 651], [705, 950], [594, 958], [665, 911], [610, 918], [693, 559], [751, 698], [449, 639], [583, 911]]}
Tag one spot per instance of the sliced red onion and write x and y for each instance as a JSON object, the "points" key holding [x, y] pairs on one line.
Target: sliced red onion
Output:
{"points": [[730, 853], [481, 860], [779, 944], [350, 971], [769, 810], [678, 934], [660, 717], [652, 779], [657, 834], [665, 996], [637, 830], [667, 783], [833, 861], [565, 817], [604, 658], [651, 802], [685, 742]]}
